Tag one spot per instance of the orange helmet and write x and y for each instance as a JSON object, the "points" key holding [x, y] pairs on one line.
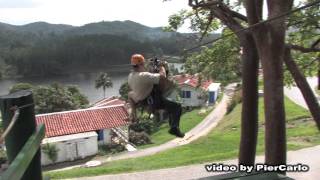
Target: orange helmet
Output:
{"points": [[137, 59]]}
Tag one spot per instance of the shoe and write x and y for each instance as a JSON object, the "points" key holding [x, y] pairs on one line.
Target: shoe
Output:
{"points": [[176, 132]]}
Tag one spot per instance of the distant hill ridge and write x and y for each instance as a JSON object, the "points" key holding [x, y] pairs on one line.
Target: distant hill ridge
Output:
{"points": [[44, 49], [129, 28]]}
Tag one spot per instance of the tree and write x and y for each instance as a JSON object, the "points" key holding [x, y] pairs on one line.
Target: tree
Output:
{"points": [[303, 32], [104, 81], [303, 54], [267, 41], [220, 62], [304, 87], [78, 98], [21, 86], [205, 17], [270, 42], [124, 90], [54, 98]]}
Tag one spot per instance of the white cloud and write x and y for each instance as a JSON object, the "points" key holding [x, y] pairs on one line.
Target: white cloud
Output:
{"points": [[152, 13], [17, 4]]}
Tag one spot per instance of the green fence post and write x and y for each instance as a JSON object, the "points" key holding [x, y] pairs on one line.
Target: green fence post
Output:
{"points": [[22, 130]]}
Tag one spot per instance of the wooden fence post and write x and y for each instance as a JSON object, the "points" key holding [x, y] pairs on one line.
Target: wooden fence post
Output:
{"points": [[22, 129]]}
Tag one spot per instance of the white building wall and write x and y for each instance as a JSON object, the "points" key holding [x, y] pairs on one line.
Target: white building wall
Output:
{"points": [[107, 134], [193, 100], [217, 94], [70, 147], [214, 87]]}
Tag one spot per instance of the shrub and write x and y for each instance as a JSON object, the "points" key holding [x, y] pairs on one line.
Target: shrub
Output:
{"points": [[124, 90], [112, 148], [187, 109], [21, 86], [146, 124], [51, 151], [236, 99], [139, 138]]}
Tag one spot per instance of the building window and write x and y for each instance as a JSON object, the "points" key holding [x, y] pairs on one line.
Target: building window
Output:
{"points": [[186, 94]]}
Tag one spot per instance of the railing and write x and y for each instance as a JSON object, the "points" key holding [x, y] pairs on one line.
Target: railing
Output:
{"points": [[22, 137], [121, 134], [20, 164]]}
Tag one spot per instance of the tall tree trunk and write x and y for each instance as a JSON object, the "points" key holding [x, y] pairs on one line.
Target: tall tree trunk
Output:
{"points": [[269, 39], [275, 132], [318, 75], [249, 114], [304, 87]]}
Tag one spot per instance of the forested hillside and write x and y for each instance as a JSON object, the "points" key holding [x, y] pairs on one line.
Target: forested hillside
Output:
{"points": [[43, 49]]}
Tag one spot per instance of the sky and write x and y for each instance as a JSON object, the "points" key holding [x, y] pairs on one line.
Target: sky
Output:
{"points": [[153, 13]]}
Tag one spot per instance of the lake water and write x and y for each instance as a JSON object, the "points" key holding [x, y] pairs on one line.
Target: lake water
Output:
{"points": [[85, 82]]}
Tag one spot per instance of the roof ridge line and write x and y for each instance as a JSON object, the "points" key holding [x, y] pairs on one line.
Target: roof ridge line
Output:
{"points": [[111, 97], [105, 102], [78, 110]]}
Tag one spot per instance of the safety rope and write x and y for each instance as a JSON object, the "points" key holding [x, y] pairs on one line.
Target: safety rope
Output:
{"points": [[14, 119]]}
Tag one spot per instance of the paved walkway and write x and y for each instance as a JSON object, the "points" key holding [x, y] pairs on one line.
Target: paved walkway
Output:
{"points": [[307, 156], [294, 94], [201, 129]]}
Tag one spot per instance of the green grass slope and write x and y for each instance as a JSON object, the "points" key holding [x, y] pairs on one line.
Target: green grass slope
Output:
{"points": [[222, 143]]}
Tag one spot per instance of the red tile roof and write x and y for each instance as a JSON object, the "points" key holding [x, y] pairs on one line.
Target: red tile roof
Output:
{"points": [[111, 101], [192, 80], [83, 120]]}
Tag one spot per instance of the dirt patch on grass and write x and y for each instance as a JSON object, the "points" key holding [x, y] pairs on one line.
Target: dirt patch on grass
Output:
{"points": [[294, 123], [299, 122], [301, 141]]}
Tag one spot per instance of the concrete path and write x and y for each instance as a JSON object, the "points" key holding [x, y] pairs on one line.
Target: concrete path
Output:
{"points": [[294, 94], [308, 156], [201, 129]]}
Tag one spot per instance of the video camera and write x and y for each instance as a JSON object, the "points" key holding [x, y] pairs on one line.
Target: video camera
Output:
{"points": [[155, 64]]}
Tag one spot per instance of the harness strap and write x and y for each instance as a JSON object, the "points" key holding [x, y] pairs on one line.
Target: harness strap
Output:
{"points": [[150, 100]]}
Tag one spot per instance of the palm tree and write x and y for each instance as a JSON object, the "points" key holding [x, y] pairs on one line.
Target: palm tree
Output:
{"points": [[104, 81]]}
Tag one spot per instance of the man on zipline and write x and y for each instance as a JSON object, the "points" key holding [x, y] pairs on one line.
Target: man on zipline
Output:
{"points": [[144, 91]]}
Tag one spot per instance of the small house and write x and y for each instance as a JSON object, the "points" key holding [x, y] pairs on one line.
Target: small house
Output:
{"points": [[76, 134], [194, 92]]}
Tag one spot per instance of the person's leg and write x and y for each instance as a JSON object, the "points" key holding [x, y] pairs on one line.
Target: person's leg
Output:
{"points": [[174, 110]]}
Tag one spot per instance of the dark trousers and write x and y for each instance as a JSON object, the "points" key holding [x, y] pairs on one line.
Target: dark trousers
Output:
{"points": [[157, 101], [174, 110]]}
